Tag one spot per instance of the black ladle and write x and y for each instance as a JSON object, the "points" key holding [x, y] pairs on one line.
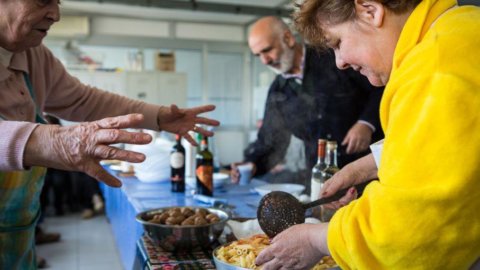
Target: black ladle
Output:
{"points": [[280, 210]]}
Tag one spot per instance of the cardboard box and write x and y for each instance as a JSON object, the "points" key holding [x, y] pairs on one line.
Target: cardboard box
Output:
{"points": [[165, 61]]}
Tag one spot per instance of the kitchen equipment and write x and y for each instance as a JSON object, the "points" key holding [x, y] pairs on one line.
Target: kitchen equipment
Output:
{"points": [[220, 179], [182, 237], [221, 265], [294, 189], [280, 210]]}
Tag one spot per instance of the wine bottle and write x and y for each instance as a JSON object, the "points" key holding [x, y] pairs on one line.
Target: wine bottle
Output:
{"points": [[204, 171], [316, 181], [327, 173], [177, 166]]}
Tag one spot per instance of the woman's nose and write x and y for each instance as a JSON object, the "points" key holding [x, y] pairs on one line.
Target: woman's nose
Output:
{"points": [[339, 61], [54, 11]]}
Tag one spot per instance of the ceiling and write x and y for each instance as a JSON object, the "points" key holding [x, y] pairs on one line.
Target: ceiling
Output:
{"points": [[237, 12], [214, 11]]}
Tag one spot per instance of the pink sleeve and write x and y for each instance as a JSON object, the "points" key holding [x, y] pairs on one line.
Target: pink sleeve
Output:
{"points": [[14, 137]]}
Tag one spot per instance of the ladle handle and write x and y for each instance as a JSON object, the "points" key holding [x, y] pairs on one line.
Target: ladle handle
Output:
{"points": [[336, 196]]}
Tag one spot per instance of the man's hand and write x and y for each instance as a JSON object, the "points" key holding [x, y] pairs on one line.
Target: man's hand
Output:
{"points": [[298, 247], [82, 147], [358, 138], [234, 172], [181, 121]]}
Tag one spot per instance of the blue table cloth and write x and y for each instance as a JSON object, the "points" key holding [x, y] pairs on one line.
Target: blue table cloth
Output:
{"points": [[123, 204]]}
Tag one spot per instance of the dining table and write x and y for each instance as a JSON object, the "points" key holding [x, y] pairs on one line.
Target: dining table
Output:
{"points": [[134, 196]]}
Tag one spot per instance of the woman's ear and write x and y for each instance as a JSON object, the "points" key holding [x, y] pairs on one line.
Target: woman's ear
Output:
{"points": [[370, 12]]}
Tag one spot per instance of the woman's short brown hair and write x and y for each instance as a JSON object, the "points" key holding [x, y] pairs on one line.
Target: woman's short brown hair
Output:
{"points": [[312, 14]]}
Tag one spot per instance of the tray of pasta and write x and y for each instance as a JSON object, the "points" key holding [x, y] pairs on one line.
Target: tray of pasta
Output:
{"points": [[241, 254]]}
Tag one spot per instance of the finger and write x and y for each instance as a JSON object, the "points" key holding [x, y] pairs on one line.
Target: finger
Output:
{"points": [[202, 109], [109, 152], [234, 176], [207, 121], [189, 139], [96, 171], [109, 136], [203, 131], [274, 264], [265, 255], [345, 140], [331, 187], [351, 147], [123, 121], [349, 196]]}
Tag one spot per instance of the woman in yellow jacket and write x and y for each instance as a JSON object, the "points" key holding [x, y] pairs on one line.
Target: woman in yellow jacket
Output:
{"points": [[424, 210]]}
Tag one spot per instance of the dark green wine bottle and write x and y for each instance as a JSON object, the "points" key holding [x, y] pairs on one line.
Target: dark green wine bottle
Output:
{"points": [[204, 171]]}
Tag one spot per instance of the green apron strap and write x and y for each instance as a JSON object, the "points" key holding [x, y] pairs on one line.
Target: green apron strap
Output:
{"points": [[38, 116]]}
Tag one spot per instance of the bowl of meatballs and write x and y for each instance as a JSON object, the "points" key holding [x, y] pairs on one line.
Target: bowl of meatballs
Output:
{"points": [[183, 228]]}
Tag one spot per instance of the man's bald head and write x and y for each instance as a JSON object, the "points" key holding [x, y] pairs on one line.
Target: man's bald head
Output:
{"points": [[268, 26], [272, 41]]}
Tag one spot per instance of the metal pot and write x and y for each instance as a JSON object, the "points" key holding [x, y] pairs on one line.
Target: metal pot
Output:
{"points": [[182, 237]]}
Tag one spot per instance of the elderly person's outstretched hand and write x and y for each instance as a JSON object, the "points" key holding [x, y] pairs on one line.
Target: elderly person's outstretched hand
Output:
{"points": [[298, 247], [82, 147], [180, 121]]}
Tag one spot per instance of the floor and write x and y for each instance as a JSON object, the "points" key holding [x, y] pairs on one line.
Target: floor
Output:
{"points": [[85, 244]]}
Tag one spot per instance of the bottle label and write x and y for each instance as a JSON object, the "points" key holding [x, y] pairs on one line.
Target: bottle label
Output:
{"points": [[177, 160], [177, 178], [205, 175]]}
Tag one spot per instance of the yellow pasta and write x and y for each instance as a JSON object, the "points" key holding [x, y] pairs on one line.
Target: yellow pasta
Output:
{"points": [[244, 252]]}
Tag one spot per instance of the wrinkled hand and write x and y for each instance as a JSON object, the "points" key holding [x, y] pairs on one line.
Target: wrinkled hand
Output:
{"points": [[298, 247], [353, 173], [82, 147], [358, 138], [181, 121], [235, 174]]}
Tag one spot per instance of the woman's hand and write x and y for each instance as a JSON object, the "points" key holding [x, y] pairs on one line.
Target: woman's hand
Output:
{"points": [[82, 147], [299, 247], [358, 138], [357, 172], [181, 121]]}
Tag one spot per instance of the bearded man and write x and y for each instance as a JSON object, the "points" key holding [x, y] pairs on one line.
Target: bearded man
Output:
{"points": [[310, 98]]}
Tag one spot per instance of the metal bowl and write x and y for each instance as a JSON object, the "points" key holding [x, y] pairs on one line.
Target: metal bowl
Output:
{"points": [[183, 237], [221, 265]]}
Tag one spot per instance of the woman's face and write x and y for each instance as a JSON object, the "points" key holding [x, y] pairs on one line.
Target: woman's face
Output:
{"points": [[360, 47], [24, 23]]}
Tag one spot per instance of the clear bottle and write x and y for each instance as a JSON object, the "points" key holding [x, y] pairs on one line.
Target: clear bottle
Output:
{"points": [[327, 173], [316, 181], [177, 166], [204, 171]]}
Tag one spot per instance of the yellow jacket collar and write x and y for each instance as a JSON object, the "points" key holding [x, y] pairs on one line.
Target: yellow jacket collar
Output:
{"points": [[417, 25]]}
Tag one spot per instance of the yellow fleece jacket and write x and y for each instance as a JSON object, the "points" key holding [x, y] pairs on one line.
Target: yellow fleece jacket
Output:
{"points": [[424, 212]]}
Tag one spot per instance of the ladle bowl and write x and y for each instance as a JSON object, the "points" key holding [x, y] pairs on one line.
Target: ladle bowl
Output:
{"points": [[280, 210]]}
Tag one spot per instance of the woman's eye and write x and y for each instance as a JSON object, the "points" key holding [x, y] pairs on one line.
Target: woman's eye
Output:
{"points": [[47, 2]]}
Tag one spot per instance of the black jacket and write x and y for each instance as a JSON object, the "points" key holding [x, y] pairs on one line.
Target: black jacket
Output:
{"points": [[326, 105]]}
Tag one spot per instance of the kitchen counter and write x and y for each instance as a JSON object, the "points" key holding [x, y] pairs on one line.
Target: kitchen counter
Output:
{"points": [[123, 204]]}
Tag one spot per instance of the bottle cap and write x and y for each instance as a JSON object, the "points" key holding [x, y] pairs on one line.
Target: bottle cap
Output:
{"points": [[331, 144]]}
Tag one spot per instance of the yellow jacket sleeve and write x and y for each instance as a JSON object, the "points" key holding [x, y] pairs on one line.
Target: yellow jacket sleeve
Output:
{"points": [[424, 212]]}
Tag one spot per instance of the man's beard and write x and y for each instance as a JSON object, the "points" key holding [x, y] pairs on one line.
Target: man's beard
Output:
{"points": [[286, 60]]}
